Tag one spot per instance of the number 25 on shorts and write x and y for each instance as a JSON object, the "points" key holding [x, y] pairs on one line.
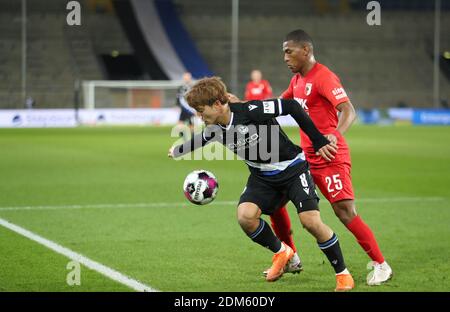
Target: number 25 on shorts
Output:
{"points": [[334, 183]]}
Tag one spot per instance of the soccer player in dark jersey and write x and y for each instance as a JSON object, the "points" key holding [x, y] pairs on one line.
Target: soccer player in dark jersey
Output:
{"points": [[322, 96], [186, 112], [278, 169]]}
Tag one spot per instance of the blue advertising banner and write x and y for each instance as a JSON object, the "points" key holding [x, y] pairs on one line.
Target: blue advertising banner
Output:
{"points": [[431, 117]]}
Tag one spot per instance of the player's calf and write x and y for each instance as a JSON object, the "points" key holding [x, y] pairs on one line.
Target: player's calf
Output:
{"points": [[329, 244]]}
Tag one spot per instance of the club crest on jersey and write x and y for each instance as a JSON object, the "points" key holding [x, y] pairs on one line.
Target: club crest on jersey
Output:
{"points": [[308, 88], [242, 129]]}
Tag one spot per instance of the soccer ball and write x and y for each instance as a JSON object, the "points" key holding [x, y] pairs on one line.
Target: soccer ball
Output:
{"points": [[200, 187]]}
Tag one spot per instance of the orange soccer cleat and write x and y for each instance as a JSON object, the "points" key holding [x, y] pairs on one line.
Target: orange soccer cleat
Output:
{"points": [[279, 261], [344, 282]]}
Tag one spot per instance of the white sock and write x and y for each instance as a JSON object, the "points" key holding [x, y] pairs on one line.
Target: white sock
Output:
{"points": [[343, 272], [282, 249]]}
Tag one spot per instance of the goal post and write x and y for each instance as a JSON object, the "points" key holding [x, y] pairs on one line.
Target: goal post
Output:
{"points": [[130, 93]]}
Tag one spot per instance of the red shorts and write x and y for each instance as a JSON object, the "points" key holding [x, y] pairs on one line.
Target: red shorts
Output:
{"points": [[334, 181]]}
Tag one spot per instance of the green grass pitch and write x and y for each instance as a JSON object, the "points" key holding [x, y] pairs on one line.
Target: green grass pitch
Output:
{"points": [[401, 177]]}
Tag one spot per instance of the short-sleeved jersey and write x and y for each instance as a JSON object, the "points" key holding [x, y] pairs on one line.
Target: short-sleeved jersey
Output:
{"points": [[254, 134], [319, 92], [258, 91]]}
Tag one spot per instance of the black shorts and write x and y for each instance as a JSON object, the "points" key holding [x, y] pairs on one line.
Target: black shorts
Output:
{"points": [[269, 197], [186, 116]]}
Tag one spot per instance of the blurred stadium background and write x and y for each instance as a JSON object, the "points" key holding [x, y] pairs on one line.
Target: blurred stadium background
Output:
{"points": [[122, 66], [386, 66]]}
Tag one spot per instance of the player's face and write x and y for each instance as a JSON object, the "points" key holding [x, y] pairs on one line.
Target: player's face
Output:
{"points": [[295, 55], [187, 77], [256, 76], [210, 114]]}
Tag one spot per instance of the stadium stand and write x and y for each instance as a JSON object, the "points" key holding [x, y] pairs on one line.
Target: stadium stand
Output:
{"points": [[57, 55], [380, 66]]}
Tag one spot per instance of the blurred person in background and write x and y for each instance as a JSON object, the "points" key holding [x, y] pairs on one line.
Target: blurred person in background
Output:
{"points": [[30, 102], [187, 113], [257, 88]]}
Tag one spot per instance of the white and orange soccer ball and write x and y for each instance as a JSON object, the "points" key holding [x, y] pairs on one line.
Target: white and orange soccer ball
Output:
{"points": [[200, 187]]}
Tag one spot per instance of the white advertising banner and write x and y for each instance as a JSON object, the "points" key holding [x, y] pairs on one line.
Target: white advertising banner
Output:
{"points": [[135, 116], [39, 118], [42, 118]]}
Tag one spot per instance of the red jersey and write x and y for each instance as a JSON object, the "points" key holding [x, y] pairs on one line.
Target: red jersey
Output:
{"points": [[258, 91], [319, 92]]}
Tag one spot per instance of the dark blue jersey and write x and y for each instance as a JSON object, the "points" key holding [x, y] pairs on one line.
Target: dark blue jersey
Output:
{"points": [[181, 101]]}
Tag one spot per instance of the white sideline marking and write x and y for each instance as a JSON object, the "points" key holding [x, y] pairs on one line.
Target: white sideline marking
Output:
{"points": [[184, 204], [91, 264]]}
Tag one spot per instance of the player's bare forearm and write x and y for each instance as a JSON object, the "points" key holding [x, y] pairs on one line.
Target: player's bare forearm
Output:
{"points": [[177, 151], [189, 146], [347, 116], [209, 134]]}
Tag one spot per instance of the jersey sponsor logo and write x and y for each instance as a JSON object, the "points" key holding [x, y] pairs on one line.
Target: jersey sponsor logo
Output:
{"points": [[308, 88], [339, 93], [244, 142], [252, 107], [257, 91], [269, 107], [302, 102]]}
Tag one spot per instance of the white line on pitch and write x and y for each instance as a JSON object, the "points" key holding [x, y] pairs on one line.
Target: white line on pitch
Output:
{"points": [[91, 264], [184, 204]]}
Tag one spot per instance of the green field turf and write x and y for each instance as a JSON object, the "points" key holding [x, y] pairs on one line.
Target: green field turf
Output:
{"points": [[401, 177]]}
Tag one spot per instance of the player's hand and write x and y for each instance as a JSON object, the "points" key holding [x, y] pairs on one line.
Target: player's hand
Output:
{"points": [[170, 153], [233, 98], [332, 138], [328, 151]]}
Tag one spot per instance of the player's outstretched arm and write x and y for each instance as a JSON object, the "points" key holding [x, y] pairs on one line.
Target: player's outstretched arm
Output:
{"points": [[189, 146], [209, 134]]}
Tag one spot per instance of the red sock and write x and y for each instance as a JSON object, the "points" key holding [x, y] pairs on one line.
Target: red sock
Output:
{"points": [[281, 225], [365, 238]]}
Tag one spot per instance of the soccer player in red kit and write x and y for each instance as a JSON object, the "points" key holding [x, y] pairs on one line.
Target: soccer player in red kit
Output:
{"points": [[320, 93], [257, 88]]}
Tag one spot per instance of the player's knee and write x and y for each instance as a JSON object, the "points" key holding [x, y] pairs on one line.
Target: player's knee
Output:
{"points": [[312, 226], [311, 222], [248, 217]]}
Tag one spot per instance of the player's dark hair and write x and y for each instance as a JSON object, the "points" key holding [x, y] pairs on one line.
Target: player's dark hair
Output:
{"points": [[206, 92], [299, 36]]}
